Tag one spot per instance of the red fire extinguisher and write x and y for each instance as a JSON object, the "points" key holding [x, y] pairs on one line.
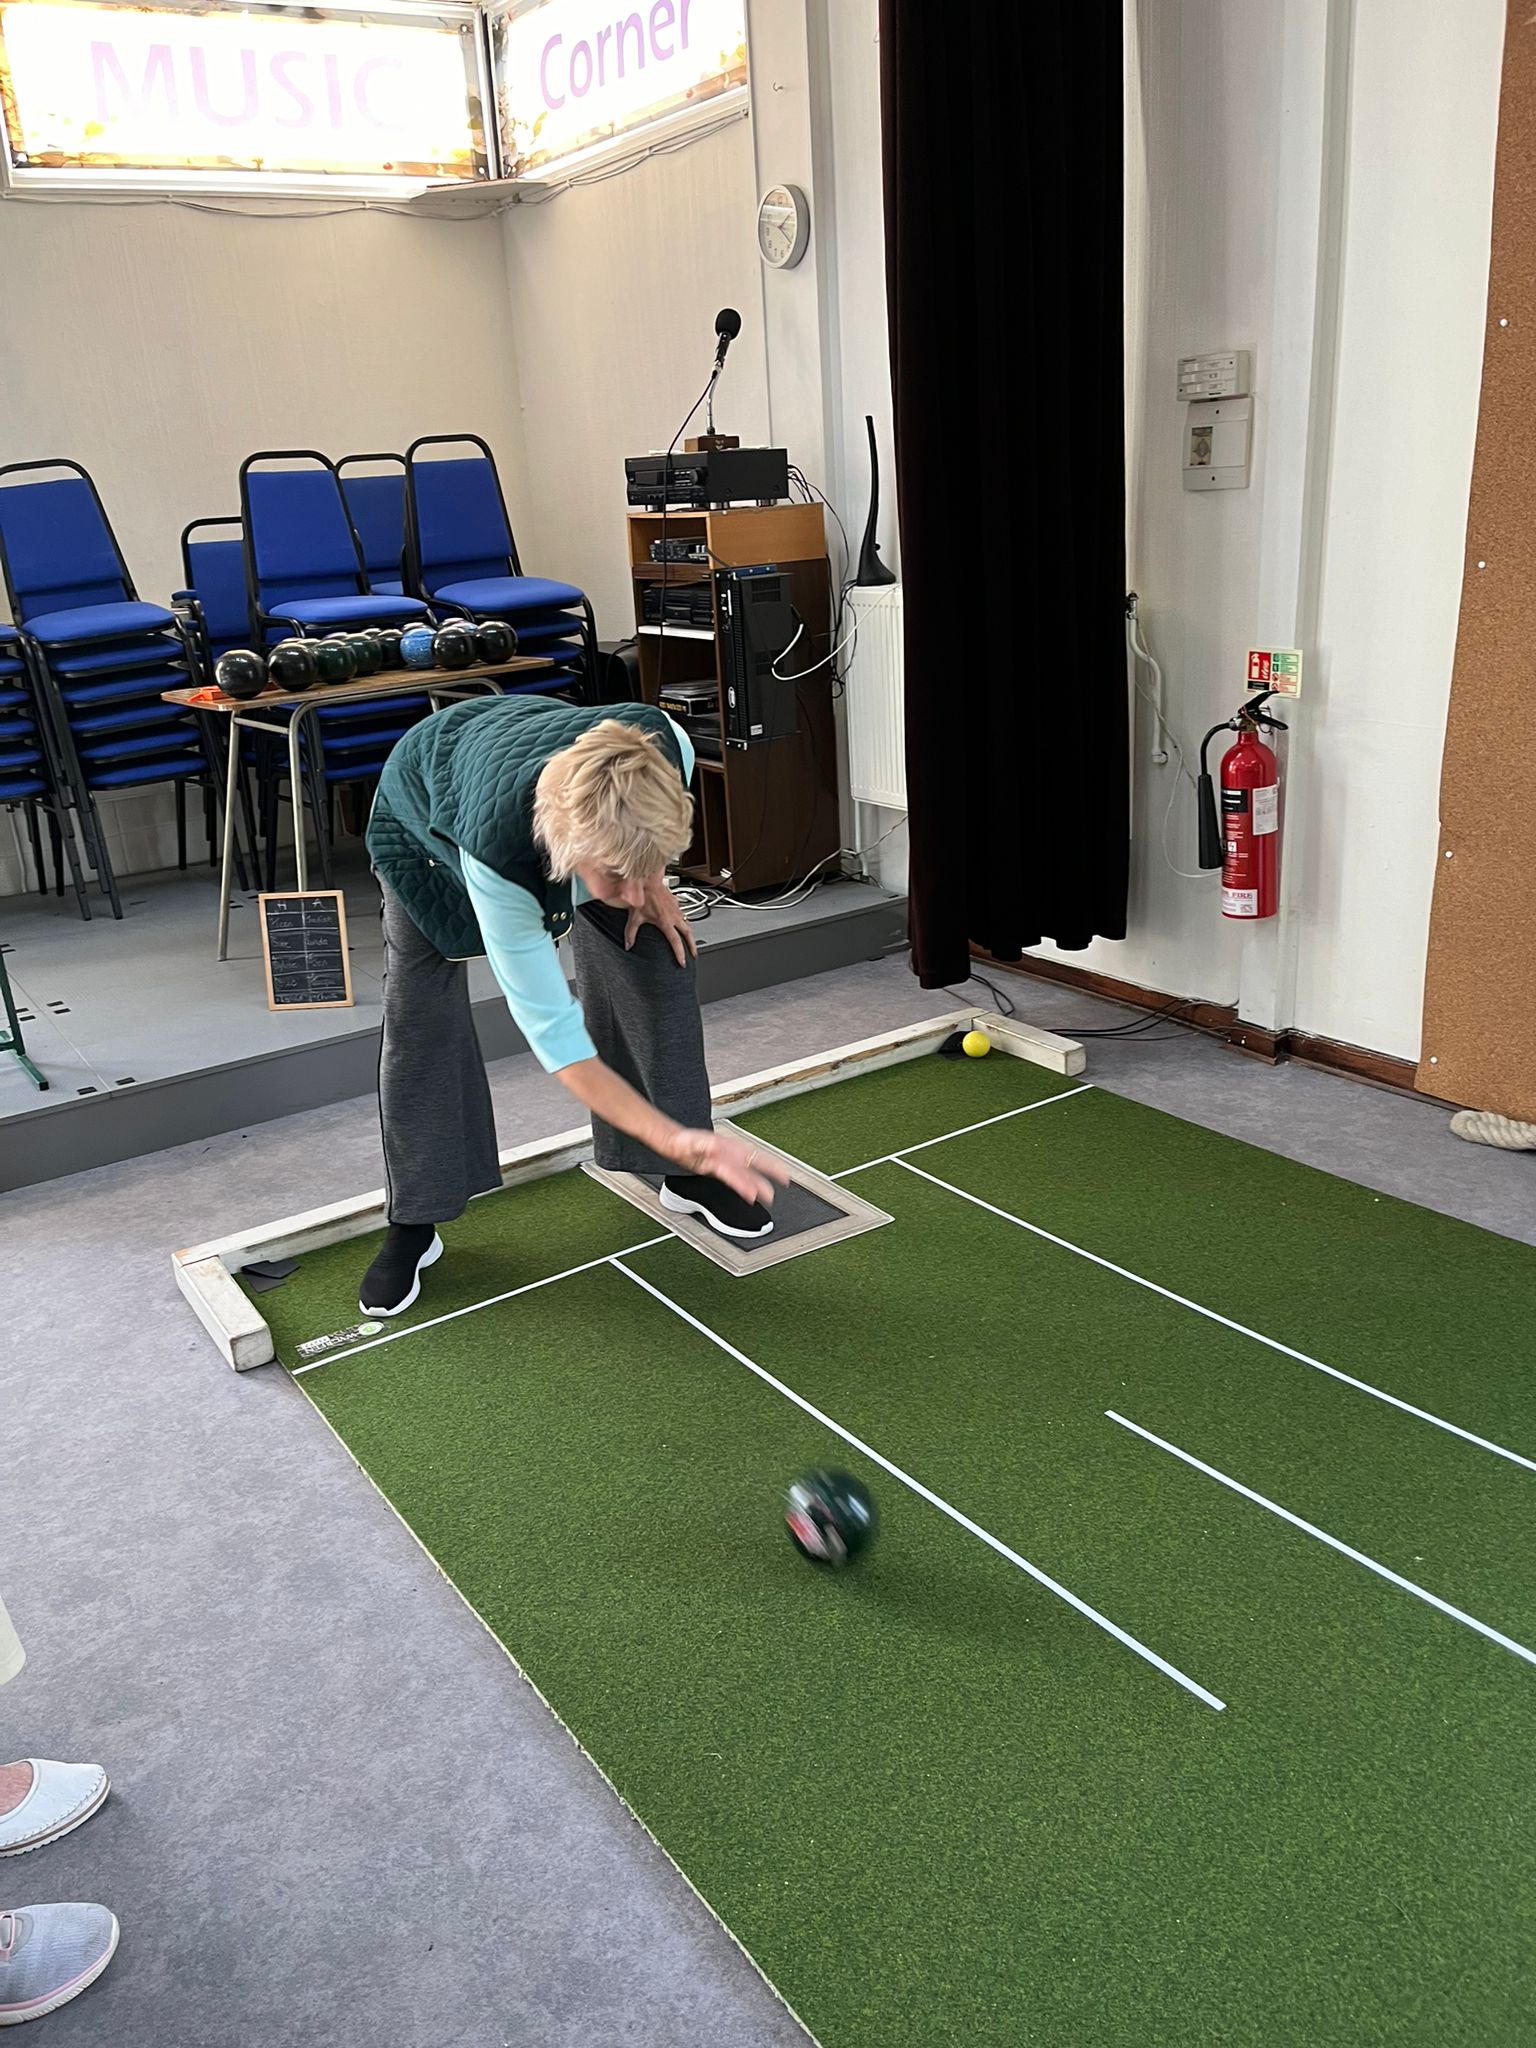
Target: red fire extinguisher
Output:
{"points": [[1245, 841]]}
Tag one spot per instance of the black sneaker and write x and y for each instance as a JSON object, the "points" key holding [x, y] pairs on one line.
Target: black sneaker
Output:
{"points": [[393, 1281], [699, 1194]]}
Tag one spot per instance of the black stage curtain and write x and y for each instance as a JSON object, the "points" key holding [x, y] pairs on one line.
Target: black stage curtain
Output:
{"points": [[1004, 222]]}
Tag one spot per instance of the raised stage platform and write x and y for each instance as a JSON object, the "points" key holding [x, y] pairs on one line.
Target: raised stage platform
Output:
{"points": [[147, 1040]]}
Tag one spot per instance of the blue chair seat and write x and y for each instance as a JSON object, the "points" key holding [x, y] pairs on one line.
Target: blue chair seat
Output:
{"points": [[12, 758], [124, 717], [375, 736], [99, 622], [504, 597], [345, 611], [122, 654], [164, 768], [15, 789], [10, 668], [372, 707], [9, 699], [129, 747], [115, 688]]}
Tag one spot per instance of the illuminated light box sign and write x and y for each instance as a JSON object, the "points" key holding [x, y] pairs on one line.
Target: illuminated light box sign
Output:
{"points": [[572, 75], [296, 91]]}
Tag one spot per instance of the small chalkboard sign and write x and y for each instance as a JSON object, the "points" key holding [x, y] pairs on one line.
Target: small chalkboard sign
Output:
{"points": [[304, 945]]}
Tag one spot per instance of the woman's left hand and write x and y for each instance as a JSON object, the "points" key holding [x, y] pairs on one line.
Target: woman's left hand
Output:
{"points": [[660, 908]]}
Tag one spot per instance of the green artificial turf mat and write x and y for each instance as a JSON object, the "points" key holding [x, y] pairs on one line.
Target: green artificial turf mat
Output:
{"points": [[507, 1239], [908, 1104], [1433, 1310], [938, 1806], [500, 1242]]}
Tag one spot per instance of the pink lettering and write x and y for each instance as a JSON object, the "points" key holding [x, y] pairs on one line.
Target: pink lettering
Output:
{"points": [[301, 100], [365, 75], [333, 90], [159, 76], [550, 99], [632, 21], [204, 101], [663, 15], [582, 54]]}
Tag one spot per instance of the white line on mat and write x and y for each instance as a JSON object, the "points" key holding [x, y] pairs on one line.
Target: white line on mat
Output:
{"points": [[1211, 1315], [1334, 1543], [886, 1158], [431, 1322], [973, 1528], [492, 1301]]}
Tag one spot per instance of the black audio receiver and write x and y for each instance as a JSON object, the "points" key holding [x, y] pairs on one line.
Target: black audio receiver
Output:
{"points": [[694, 479]]}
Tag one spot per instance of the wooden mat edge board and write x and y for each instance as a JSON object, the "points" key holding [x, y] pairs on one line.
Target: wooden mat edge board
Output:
{"points": [[739, 1259], [1479, 1038]]}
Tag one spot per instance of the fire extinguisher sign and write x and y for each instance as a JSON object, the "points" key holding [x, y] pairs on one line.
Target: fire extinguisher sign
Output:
{"points": [[1275, 668]]}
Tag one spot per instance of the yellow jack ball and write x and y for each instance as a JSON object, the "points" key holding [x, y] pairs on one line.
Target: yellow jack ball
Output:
{"points": [[976, 1044]]}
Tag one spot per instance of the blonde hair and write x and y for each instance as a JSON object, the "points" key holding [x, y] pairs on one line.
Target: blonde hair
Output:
{"points": [[614, 798]]}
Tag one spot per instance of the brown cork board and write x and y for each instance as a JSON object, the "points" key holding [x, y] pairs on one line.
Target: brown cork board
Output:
{"points": [[1479, 1043]]}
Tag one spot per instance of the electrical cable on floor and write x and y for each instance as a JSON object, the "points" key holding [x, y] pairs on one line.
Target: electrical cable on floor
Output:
{"points": [[800, 892], [1138, 1027], [1141, 654]]}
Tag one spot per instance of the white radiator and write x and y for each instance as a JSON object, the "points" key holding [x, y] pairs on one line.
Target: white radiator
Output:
{"points": [[877, 733]]}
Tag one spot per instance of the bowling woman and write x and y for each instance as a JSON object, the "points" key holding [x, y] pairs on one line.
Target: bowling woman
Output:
{"points": [[502, 825]]}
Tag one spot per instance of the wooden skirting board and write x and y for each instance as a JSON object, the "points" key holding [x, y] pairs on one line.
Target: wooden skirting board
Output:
{"points": [[205, 1272], [1220, 1020]]}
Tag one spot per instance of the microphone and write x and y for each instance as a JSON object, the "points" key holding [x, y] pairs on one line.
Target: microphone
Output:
{"points": [[727, 327]]}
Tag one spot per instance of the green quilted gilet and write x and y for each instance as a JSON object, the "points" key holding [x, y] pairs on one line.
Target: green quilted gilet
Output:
{"points": [[463, 781]]}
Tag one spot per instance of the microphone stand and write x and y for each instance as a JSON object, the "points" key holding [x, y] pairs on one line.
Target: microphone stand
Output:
{"points": [[709, 438]]}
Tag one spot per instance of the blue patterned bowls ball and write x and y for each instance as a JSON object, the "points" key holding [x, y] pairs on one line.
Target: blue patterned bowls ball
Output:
{"points": [[416, 646]]}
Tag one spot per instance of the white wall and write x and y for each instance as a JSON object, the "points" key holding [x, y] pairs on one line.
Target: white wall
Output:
{"points": [[614, 291], [859, 377], [1202, 195], [1218, 211], [1421, 146], [158, 346]]}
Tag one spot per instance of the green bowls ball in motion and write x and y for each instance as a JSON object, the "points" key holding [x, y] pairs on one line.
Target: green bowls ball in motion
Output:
{"points": [[367, 655], [240, 673], [416, 646], [454, 647], [830, 1517], [388, 638], [495, 641], [291, 665], [333, 659]]}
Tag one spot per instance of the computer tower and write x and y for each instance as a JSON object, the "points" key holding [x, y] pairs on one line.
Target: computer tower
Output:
{"points": [[757, 625]]}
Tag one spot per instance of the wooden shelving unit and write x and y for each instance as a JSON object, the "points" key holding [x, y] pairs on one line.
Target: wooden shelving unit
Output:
{"points": [[767, 813]]}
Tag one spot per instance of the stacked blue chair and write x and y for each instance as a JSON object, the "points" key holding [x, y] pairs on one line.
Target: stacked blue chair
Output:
{"points": [[100, 656], [26, 769], [213, 605], [375, 497], [213, 609], [343, 744], [460, 553], [304, 568]]}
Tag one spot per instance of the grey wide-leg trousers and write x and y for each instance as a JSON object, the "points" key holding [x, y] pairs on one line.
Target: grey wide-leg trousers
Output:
{"points": [[642, 1011]]}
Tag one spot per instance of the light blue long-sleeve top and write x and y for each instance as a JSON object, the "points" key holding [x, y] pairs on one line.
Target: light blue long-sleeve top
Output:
{"points": [[524, 958]]}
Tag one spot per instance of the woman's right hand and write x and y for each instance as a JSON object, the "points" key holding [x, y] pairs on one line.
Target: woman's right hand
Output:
{"points": [[745, 1168]]}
